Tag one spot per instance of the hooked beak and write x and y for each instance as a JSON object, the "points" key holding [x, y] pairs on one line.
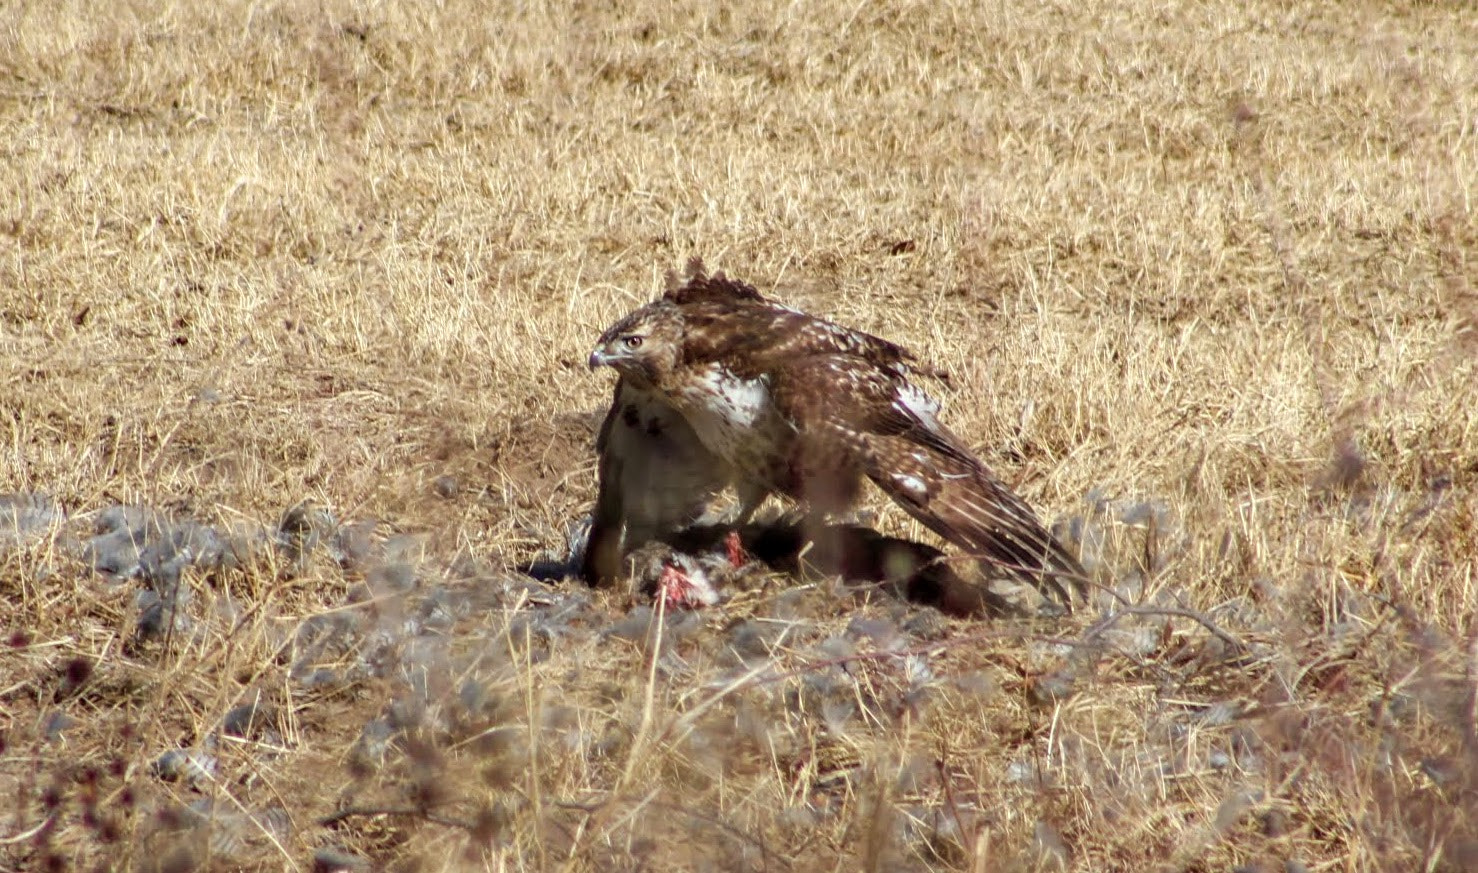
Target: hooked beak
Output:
{"points": [[598, 359]]}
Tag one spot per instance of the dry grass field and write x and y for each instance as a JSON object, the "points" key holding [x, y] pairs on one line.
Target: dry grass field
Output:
{"points": [[1214, 264]]}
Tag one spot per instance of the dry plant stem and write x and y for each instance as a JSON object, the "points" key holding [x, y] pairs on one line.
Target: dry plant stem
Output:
{"points": [[1297, 285], [28, 833], [534, 710], [1098, 628], [637, 753], [649, 698], [769, 855], [971, 835], [357, 253], [1470, 711], [347, 813]]}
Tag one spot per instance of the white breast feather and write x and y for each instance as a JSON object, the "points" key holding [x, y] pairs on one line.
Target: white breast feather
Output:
{"points": [[742, 401], [722, 407]]}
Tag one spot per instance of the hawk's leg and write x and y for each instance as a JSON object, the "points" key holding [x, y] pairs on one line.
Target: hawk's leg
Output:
{"points": [[817, 532]]}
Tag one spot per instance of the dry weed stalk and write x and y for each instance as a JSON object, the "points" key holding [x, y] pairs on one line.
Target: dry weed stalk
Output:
{"points": [[256, 255]]}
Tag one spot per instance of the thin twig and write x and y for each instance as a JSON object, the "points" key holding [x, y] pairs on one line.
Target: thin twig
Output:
{"points": [[598, 806], [28, 832], [411, 811], [1200, 618]]}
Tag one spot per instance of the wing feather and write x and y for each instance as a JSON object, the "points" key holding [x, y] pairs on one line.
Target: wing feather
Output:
{"points": [[866, 418], [967, 505]]}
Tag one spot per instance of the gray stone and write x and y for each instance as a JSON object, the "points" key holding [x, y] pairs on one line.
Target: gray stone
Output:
{"points": [[249, 719], [162, 614], [333, 860], [191, 766], [26, 517]]}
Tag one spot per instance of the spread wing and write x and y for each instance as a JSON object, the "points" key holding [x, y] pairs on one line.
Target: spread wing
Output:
{"points": [[850, 414], [655, 478]]}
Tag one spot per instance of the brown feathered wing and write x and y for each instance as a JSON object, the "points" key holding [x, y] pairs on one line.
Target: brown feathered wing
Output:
{"points": [[851, 414]]}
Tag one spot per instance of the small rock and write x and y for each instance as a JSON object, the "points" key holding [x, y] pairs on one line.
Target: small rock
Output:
{"points": [[26, 516], [332, 860], [56, 724], [195, 768], [927, 625], [161, 614], [303, 528], [1048, 844], [248, 720], [388, 579], [884, 634]]}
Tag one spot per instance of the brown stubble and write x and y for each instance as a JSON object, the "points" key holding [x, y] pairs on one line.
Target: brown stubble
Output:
{"points": [[251, 254]]}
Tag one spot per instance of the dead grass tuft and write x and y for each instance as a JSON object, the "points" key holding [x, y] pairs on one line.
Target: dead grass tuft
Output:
{"points": [[1212, 259]]}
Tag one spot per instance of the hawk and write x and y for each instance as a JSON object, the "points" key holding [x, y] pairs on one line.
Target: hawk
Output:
{"points": [[720, 386]]}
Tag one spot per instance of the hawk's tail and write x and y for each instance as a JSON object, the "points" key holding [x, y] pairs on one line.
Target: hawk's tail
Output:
{"points": [[970, 507]]}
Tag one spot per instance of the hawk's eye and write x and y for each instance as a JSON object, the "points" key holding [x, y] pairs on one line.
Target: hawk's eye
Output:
{"points": [[632, 342]]}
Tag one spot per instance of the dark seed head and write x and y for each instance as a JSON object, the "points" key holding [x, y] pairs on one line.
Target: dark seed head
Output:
{"points": [[77, 672], [51, 798]]}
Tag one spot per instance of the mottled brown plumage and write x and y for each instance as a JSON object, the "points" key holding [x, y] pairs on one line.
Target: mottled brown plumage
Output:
{"points": [[777, 401], [655, 478]]}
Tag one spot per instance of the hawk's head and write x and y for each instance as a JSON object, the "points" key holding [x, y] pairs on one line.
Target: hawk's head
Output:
{"points": [[644, 346]]}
